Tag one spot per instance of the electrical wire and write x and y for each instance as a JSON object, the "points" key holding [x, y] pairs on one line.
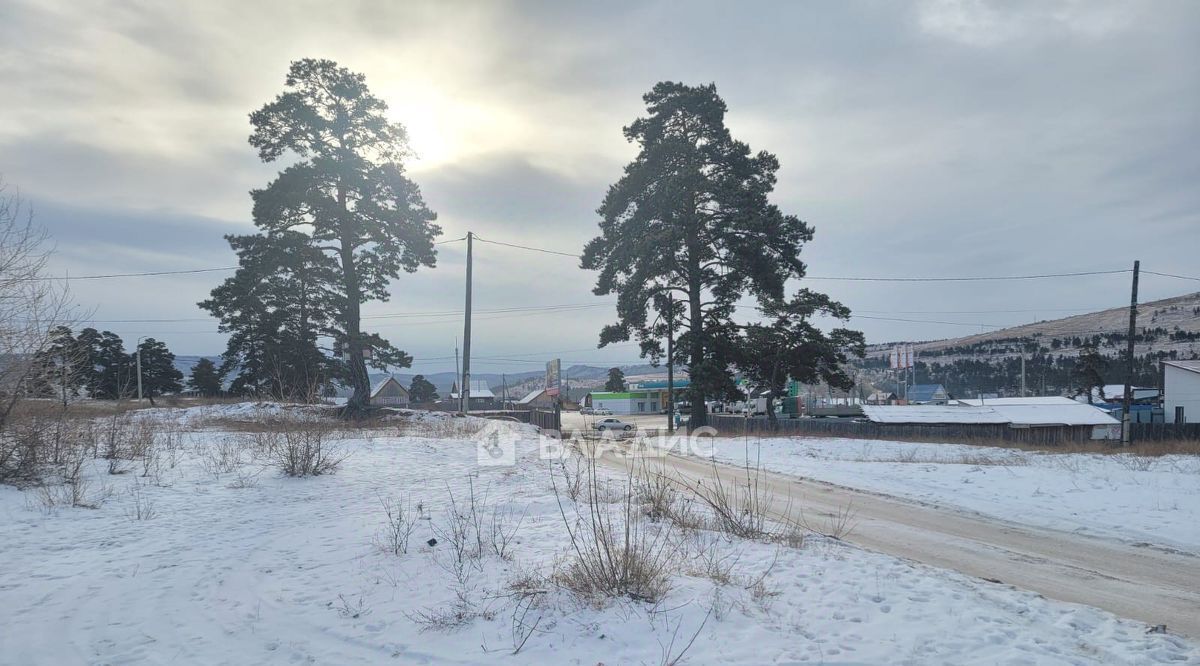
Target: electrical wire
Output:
{"points": [[526, 247], [1171, 275], [47, 278]]}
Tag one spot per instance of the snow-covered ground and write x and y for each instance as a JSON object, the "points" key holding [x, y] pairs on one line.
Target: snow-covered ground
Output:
{"points": [[240, 565], [1121, 496]]}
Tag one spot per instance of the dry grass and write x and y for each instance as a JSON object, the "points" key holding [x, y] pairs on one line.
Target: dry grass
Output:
{"points": [[615, 552], [447, 427], [303, 447]]}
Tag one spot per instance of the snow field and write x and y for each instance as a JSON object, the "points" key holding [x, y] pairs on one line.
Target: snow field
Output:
{"points": [[241, 565], [1154, 500]]}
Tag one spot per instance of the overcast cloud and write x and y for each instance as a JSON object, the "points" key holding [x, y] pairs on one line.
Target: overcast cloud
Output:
{"points": [[930, 139]]}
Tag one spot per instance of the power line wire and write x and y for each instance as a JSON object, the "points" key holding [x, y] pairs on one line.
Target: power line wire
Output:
{"points": [[1171, 275], [980, 278], [526, 247], [47, 278]]}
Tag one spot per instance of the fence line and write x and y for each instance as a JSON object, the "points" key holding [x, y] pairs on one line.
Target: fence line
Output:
{"points": [[1045, 436]]}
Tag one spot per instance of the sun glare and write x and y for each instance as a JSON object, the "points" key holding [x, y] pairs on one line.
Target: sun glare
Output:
{"points": [[443, 129]]}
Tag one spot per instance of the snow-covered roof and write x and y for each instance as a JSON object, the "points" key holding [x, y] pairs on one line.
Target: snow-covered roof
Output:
{"points": [[1032, 400], [1076, 414], [1115, 393], [931, 414], [379, 386], [1194, 366], [531, 396], [1069, 413], [479, 389]]}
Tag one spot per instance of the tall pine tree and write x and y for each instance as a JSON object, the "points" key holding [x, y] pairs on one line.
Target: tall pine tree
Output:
{"points": [[1089, 370], [616, 381], [790, 346], [109, 369], [205, 379], [348, 193], [159, 374], [422, 390], [276, 307], [691, 217]]}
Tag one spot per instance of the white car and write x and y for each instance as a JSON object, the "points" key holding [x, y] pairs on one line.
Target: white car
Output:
{"points": [[612, 424]]}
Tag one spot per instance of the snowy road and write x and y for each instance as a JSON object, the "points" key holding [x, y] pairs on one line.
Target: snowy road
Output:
{"points": [[1156, 586]]}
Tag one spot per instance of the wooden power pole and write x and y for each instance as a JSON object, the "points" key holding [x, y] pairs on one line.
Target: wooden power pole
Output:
{"points": [[670, 362], [464, 391], [1133, 303]]}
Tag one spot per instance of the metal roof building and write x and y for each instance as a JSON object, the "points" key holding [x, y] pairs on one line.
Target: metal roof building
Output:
{"points": [[1014, 412]]}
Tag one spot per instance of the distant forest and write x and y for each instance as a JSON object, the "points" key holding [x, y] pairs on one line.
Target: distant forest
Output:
{"points": [[995, 366]]}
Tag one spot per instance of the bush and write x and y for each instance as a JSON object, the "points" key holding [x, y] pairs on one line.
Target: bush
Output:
{"points": [[615, 553], [739, 507], [304, 447]]}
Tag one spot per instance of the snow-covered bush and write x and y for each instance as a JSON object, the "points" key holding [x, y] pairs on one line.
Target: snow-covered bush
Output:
{"points": [[304, 447]]}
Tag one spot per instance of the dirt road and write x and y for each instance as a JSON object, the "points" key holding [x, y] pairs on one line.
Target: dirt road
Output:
{"points": [[1140, 583]]}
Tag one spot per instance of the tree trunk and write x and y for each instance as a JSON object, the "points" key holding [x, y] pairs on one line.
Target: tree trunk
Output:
{"points": [[360, 398], [699, 416]]}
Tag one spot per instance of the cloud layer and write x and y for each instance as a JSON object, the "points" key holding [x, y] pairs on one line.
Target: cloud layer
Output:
{"points": [[933, 138]]}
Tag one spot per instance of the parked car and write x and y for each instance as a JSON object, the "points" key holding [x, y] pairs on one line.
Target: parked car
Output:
{"points": [[612, 424], [602, 412], [586, 410]]}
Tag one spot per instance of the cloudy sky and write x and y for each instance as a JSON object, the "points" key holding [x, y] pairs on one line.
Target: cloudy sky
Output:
{"points": [[920, 139]]}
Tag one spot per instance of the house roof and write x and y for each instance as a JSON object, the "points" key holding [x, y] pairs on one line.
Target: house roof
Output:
{"points": [[931, 414], [924, 392], [1193, 366], [1077, 414], [479, 389], [531, 396], [379, 387], [1111, 393], [1068, 413], [1033, 400]]}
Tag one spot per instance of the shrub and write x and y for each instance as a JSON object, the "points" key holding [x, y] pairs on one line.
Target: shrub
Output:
{"points": [[305, 447], [614, 552]]}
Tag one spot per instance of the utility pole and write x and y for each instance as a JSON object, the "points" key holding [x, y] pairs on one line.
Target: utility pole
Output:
{"points": [[670, 362], [1022, 372], [465, 389], [1133, 303], [138, 353]]}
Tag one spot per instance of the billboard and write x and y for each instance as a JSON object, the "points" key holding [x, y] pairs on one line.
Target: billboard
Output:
{"points": [[553, 377], [902, 357]]}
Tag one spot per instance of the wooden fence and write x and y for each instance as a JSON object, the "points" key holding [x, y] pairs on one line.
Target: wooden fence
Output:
{"points": [[546, 419], [964, 432], [1145, 432]]}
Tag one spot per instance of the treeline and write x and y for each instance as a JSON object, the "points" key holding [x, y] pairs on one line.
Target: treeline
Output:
{"points": [[95, 364], [1018, 345], [1044, 373]]}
